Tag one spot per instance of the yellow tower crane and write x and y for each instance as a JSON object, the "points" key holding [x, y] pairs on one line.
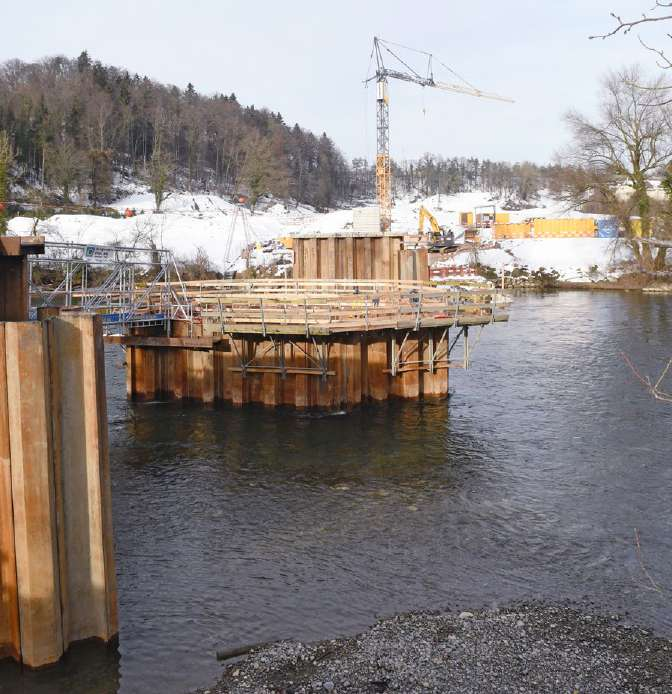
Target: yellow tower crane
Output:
{"points": [[407, 74]]}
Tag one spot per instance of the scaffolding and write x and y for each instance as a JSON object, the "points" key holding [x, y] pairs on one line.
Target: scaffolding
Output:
{"points": [[128, 286]]}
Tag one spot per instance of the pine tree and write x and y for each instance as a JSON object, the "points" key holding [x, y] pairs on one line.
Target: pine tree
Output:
{"points": [[190, 94], [262, 172], [83, 62]]}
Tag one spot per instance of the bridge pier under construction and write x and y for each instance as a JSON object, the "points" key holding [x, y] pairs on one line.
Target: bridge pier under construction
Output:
{"points": [[308, 343], [359, 321], [325, 372]]}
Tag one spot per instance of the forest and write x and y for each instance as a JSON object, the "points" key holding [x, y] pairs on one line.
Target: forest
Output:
{"points": [[75, 125]]}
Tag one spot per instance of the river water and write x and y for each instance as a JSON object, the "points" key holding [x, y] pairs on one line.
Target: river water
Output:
{"points": [[242, 525]]}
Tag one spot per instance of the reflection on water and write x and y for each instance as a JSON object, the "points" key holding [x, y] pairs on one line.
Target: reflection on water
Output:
{"points": [[235, 526], [86, 668]]}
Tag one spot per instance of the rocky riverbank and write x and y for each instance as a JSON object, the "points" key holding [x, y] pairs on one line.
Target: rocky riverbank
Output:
{"points": [[523, 649]]}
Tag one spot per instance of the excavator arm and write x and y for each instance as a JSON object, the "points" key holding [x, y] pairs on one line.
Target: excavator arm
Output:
{"points": [[441, 239], [425, 214]]}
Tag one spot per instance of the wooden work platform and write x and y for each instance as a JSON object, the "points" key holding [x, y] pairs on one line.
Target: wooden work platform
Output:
{"points": [[329, 307], [309, 343]]}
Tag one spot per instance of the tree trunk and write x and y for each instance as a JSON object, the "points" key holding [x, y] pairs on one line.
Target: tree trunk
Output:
{"points": [[661, 259]]}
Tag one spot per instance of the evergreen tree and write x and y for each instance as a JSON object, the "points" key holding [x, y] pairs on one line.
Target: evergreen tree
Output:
{"points": [[261, 172], [190, 94], [83, 62]]}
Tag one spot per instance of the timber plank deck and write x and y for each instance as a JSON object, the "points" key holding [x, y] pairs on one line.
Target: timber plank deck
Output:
{"points": [[322, 307]]}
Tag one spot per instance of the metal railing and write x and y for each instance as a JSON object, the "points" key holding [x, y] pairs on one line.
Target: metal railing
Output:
{"points": [[313, 307], [126, 285]]}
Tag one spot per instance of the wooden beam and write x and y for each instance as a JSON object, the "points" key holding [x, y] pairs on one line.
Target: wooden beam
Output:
{"points": [[33, 491], [10, 636], [156, 341]]}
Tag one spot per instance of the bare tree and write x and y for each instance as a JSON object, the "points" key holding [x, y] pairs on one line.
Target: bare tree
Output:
{"points": [[160, 171], [64, 166], [655, 385], [199, 267], [657, 13], [629, 143], [6, 162]]}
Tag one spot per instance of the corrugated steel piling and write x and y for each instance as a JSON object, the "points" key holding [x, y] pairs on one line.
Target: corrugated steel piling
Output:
{"points": [[309, 343], [57, 578]]}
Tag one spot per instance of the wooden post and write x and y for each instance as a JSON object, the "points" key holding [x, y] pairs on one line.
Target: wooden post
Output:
{"points": [[33, 492], [54, 469], [83, 476], [311, 259], [349, 258], [406, 383], [10, 636], [288, 383], [354, 371], [207, 376], [14, 274], [377, 364]]}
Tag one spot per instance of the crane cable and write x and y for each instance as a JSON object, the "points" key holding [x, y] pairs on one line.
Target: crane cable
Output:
{"points": [[431, 56], [406, 65], [459, 77]]}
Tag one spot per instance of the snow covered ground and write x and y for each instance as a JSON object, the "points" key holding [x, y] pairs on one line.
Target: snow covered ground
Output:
{"points": [[189, 222], [576, 260]]}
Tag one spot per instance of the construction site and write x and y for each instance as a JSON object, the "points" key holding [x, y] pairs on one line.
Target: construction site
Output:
{"points": [[327, 366], [359, 320]]}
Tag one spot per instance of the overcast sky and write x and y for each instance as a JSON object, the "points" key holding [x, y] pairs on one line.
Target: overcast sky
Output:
{"points": [[307, 59]]}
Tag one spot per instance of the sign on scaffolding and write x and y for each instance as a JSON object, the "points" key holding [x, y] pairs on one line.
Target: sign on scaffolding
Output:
{"points": [[100, 253]]}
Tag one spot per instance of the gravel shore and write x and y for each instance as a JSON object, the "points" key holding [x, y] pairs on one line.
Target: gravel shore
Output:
{"points": [[525, 648]]}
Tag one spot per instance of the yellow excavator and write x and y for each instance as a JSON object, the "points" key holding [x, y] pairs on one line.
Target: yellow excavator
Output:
{"points": [[441, 239]]}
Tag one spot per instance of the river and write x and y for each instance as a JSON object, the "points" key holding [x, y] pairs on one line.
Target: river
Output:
{"points": [[242, 525]]}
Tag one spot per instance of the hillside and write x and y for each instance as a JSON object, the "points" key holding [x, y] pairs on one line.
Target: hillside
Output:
{"points": [[75, 123], [78, 128]]}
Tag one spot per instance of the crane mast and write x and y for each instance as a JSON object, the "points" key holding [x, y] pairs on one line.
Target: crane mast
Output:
{"points": [[383, 165], [383, 74]]}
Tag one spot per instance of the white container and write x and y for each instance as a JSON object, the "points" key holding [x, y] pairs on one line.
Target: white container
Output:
{"points": [[366, 220]]}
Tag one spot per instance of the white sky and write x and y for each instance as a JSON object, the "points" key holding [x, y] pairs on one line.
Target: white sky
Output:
{"points": [[307, 59]]}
